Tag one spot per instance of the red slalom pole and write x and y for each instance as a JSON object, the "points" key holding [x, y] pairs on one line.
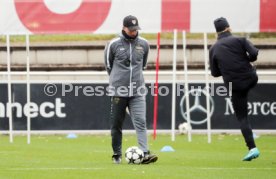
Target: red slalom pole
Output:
{"points": [[155, 105]]}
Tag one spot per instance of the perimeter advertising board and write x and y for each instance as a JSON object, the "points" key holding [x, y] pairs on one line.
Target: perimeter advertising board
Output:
{"points": [[86, 107]]}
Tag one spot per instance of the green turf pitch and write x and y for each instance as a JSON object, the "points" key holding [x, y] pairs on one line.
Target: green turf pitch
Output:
{"points": [[90, 157]]}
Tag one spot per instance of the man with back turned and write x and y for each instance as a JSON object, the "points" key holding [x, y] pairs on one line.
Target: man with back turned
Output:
{"points": [[231, 57]]}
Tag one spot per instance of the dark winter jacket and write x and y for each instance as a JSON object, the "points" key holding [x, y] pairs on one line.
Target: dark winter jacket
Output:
{"points": [[231, 57]]}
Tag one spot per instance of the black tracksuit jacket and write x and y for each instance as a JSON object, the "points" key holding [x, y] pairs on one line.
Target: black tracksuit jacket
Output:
{"points": [[231, 57]]}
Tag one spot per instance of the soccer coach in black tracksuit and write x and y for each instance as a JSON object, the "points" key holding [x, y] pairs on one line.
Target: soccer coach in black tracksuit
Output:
{"points": [[231, 57]]}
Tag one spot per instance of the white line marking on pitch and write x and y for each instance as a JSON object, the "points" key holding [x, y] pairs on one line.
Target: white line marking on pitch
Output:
{"points": [[192, 168], [8, 152], [221, 168], [69, 168]]}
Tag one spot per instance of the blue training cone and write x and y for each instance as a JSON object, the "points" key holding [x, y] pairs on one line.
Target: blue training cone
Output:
{"points": [[167, 148], [255, 136], [71, 136]]}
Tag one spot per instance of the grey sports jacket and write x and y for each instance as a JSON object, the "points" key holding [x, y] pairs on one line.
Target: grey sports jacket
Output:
{"points": [[124, 61]]}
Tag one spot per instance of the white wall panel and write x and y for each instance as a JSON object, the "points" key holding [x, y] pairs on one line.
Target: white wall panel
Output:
{"points": [[148, 13], [9, 21], [243, 15]]}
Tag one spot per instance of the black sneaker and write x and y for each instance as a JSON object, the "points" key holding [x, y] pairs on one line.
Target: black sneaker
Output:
{"points": [[117, 159], [149, 158]]}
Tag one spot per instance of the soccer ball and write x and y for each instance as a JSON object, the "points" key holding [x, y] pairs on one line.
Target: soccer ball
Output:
{"points": [[184, 128], [134, 155]]}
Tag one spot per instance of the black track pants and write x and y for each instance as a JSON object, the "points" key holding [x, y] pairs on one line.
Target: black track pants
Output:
{"points": [[239, 101]]}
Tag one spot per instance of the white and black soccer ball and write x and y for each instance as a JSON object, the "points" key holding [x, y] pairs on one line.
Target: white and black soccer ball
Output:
{"points": [[134, 155], [184, 127]]}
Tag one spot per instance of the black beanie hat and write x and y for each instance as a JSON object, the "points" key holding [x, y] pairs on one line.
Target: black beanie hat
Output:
{"points": [[221, 24]]}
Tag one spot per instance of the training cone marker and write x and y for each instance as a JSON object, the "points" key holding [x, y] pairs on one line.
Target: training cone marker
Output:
{"points": [[255, 136], [71, 136], [167, 148]]}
